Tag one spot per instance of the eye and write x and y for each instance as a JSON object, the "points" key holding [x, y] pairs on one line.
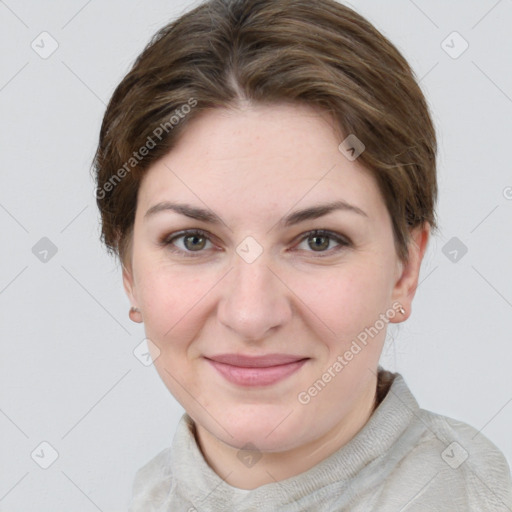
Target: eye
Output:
{"points": [[193, 242], [319, 241]]}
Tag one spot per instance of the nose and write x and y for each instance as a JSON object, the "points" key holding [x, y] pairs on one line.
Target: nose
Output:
{"points": [[255, 301]]}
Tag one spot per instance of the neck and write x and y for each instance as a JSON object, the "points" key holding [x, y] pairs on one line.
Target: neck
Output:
{"points": [[277, 466]]}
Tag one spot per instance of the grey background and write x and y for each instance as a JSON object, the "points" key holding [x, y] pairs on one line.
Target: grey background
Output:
{"points": [[68, 375]]}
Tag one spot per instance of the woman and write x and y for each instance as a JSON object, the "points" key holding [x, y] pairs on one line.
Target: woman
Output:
{"points": [[266, 174]]}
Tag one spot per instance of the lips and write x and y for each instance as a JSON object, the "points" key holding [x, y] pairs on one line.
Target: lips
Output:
{"points": [[256, 361], [262, 370]]}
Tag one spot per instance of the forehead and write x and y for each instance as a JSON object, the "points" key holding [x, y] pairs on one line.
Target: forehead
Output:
{"points": [[260, 156]]}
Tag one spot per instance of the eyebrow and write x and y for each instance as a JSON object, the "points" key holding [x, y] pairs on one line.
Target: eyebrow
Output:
{"points": [[201, 214]]}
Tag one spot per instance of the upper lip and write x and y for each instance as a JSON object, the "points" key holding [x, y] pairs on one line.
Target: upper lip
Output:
{"points": [[256, 361]]}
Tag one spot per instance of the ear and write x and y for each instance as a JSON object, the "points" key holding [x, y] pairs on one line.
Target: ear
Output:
{"points": [[128, 284], [408, 274], [130, 289]]}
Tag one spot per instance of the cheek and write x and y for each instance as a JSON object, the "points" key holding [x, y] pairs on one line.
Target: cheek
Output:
{"points": [[345, 299], [173, 318], [171, 299]]}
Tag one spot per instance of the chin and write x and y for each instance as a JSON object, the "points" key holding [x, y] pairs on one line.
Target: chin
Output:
{"points": [[269, 428]]}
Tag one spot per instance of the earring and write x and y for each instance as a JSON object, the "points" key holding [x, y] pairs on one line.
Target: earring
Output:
{"points": [[134, 315], [401, 310]]}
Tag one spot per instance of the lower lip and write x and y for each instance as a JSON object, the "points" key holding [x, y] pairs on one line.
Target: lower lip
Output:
{"points": [[261, 376]]}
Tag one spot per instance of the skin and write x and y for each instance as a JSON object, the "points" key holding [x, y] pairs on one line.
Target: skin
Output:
{"points": [[252, 166]]}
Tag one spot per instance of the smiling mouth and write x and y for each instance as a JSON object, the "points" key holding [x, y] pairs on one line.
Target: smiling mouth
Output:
{"points": [[256, 371]]}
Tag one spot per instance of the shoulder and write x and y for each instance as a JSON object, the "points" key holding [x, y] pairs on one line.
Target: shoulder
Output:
{"points": [[453, 459], [152, 482], [463, 445]]}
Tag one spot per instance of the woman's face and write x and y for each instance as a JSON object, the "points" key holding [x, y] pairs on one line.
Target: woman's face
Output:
{"points": [[256, 282]]}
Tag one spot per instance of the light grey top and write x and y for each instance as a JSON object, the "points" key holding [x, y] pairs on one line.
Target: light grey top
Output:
{"points": [[405, 459]]}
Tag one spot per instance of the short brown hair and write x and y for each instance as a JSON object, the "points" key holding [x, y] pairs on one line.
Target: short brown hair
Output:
{"points": [[319, 53]]}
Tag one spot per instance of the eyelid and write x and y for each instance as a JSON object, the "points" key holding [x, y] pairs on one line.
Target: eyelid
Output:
{"points": [[167, 241], [342, 241]]}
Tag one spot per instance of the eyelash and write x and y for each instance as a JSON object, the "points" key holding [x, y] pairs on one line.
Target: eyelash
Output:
{"points": [[167, 241]]}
